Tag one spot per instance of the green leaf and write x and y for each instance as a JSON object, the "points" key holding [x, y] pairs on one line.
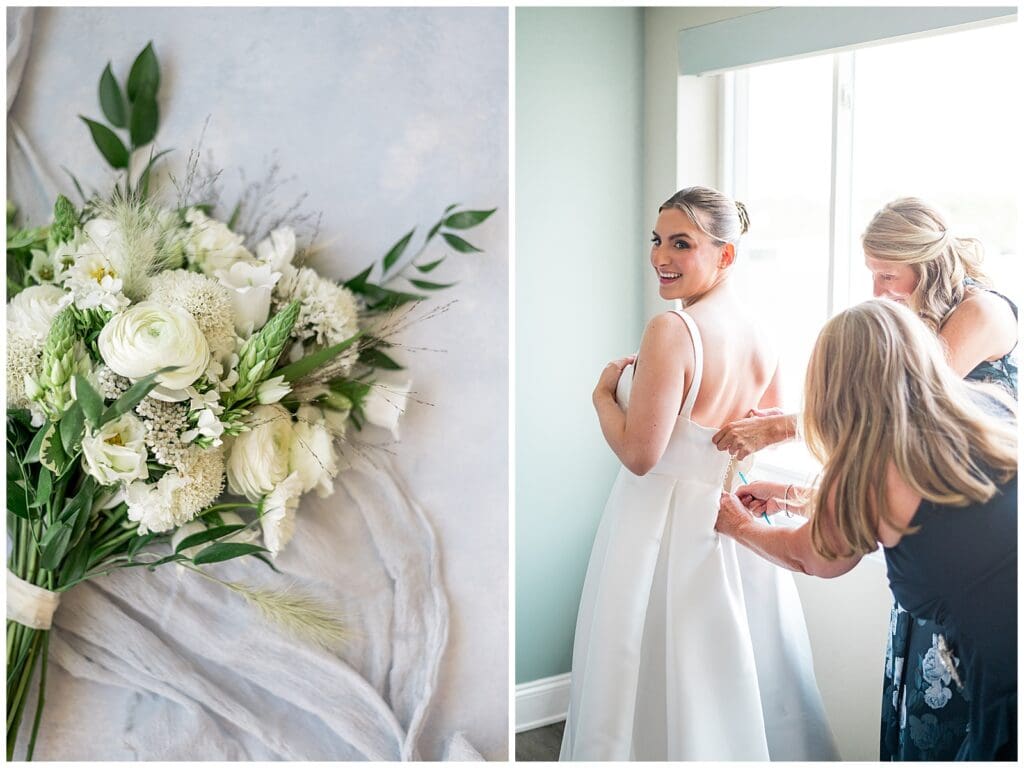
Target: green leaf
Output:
{"points": [[143, 185], [77, 561], [52, 455], [144, 78], [168, 559], [111, 99], [233, 219], [17, 502], [133, 396], [467, 219], [268, 562], [382, 299], [210, 534], [424, 268], [427, 286], [72, 425], [315, 360], [136, 544], [397, 250], [44, 487], [376, 359], [459, 244], [78, 187], [35, 448], [145, 117], [89, 399], [216, 553], [357, 282], [450, 208], [434, 229], [54, 544], [111, 147]]}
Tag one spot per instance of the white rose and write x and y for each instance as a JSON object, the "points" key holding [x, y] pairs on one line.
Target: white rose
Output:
{"points": [[250, 286], [258, 459], [211, 245], [313, 455], [278, 521], [31, 312], [116, 453], [278, 249], [149, 336], [385, 403]]}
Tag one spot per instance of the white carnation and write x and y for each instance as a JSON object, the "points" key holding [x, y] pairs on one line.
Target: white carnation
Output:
{"points": [[179, 495], [328, 313], [278, 521]]}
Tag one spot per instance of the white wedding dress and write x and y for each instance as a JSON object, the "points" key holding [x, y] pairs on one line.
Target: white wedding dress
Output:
{"points": [[688, 647]]}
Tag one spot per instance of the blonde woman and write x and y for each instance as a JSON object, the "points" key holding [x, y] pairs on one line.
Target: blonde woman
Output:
{"points": [[916, 260], [680, 653], [924, 464]]}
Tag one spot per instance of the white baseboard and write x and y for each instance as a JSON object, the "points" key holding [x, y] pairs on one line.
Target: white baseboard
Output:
{"points": [[542, 702]]}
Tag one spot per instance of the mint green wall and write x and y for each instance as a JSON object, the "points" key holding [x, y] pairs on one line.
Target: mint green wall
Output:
{"points": [[580, 262]]}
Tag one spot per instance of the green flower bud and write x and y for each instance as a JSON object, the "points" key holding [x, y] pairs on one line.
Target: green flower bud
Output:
{"points": [[61, 357], [65, 219], [259, 354]]}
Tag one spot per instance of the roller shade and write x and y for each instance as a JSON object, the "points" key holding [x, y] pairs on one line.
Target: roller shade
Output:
{"points": [[784, 33]]}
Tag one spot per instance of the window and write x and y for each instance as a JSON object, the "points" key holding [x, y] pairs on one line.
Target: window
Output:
{"points": [[815, 146]]}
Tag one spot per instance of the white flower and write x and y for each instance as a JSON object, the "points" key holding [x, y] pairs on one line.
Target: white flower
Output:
{"points": [[32, 311], [313, 456], [278, 521], [152, 506], [93, 278], [149, 336], [272, 390], [250, 287], [258, 459], [43, 268], [278, 249], [180, 494], [932, 667], [206, 300], [207, 425], [211, 245], [385, 404], [937, 696], [328, 314], [116, 453]]}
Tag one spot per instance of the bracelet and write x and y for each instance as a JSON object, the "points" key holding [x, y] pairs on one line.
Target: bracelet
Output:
{"points": [[785, 500]]}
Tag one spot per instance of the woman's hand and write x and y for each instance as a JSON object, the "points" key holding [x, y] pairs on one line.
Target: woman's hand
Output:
{"points": [[609, 381], [759, 430], [762, 497], [732, 515]]}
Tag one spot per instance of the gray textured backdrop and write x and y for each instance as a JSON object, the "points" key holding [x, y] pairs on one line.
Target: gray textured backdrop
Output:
{"points": [[384, 116]]}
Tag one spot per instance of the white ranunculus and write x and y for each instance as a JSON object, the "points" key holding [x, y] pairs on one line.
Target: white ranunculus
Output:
{"points": [[31, 312], [116, 453], [385, 404], [149, 336], [211, 245], [278, 521], [313, 455], [272, 390], [278, 249], [250, 286], [258, 459]]}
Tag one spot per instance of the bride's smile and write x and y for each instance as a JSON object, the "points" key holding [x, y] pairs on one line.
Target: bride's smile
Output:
{"points": [[688, 262]]}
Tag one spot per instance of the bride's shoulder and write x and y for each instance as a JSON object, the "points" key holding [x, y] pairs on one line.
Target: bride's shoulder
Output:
{"points": [[665, 333]]}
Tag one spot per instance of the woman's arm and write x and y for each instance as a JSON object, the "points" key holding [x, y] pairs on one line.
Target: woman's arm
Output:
{"points": [[981, 328], [639, 436], [789, 548]]}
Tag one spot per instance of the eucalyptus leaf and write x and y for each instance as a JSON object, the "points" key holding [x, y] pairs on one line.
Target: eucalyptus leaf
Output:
{"points": [[89, 399], [144, 77], [397, 250], [109, 145], [428, 286], [210, 534], [314, 360], [425, 268], [467, 219], [376, 359], [54, 545], [459, 244], [144, 120], [112, 100], [216, 553]]}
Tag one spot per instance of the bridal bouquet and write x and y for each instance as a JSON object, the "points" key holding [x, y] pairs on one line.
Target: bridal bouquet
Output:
{"points": [[156, 358]]}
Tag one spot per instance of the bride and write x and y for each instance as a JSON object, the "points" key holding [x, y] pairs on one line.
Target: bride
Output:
{"points": [[685, 648]]}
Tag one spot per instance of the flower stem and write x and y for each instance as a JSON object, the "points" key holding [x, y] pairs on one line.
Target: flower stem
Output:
{"points": [[42, 695]]}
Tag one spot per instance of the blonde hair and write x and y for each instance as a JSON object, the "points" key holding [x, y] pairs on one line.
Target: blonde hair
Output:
{"points": [[910, 231], [878, 389], [723, 219]]}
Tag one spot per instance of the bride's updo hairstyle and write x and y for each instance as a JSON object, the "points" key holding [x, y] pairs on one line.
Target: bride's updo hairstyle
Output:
{"points": [[879, 389], [909, 231], [719, 217]]}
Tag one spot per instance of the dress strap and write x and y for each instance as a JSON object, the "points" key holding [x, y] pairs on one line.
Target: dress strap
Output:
{"points": [[698, 368]]}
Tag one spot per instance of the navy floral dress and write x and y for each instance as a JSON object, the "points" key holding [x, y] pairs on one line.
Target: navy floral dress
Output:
{"points": [[924, 712]]}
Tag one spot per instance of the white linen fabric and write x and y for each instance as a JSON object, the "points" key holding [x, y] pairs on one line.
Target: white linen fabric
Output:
{"points": [[30, 605], [684, 649], [168, 666]]}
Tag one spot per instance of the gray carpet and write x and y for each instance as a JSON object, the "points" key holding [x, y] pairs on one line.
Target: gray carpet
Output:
{"points": [[540, 744]]}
